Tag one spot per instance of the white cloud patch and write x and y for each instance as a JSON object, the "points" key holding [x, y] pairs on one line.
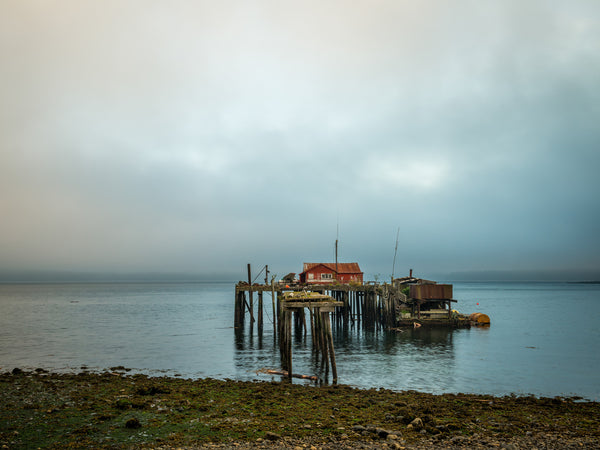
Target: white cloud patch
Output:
{"points": [[405, 174]]}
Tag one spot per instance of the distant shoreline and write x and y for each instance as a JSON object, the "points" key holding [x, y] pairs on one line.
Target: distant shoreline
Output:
{"points": [[4, 279], [8, 276]]}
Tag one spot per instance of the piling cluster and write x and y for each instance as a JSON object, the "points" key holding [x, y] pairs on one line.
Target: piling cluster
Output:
{"points": [[292, 308], [367, 306]]}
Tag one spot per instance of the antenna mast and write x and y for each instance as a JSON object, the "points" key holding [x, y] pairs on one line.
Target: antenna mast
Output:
{"points": [[336, 250], [395, 251]]}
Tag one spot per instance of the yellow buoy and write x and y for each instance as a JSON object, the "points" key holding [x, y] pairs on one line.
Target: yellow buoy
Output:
{"points": [[479, 319]]}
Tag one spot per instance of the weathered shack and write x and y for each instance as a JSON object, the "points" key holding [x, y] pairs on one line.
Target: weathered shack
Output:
{"points": [[425, 300], [326, 273], [433, 301]]}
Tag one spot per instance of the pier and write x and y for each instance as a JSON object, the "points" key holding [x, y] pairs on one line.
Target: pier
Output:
{"points": [[352, 304], [370, 306]]}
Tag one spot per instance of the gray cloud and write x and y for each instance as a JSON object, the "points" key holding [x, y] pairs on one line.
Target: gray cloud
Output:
{"points": [[199, 136]]}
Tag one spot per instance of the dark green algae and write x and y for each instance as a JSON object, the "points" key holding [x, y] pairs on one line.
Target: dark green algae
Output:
{"points": [[116, 410]]}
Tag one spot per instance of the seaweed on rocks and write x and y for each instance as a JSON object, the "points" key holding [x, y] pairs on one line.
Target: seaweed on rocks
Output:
{"points": [[87, 410]]}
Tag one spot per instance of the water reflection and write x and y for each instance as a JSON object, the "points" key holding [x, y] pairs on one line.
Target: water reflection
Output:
{"points": [[422, 359]]}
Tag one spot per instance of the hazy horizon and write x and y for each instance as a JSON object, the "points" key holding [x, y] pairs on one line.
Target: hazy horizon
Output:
{"points": [[258, 276], [197, 137]]}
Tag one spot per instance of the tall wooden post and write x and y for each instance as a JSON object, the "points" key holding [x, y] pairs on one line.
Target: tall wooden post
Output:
{"points": [[288, 341], [251, 307], [347, 311], [329, 336], [323, 339], [312, 324], [260, 312], [239, 309], [274, 307]]}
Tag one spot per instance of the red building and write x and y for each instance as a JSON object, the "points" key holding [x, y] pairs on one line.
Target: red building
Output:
{"points": [[324, 273]]}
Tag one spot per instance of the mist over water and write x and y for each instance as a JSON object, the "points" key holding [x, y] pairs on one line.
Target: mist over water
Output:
{"points": [[543, 339]]}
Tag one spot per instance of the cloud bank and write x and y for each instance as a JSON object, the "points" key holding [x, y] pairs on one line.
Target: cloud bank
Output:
{"points": [[199, 136]]}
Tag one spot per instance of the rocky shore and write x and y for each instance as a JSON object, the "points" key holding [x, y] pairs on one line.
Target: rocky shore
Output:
{"points": [[116, 410]]}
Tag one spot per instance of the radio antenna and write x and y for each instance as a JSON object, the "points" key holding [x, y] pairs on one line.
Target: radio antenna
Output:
{"points": [[395, 251], [336, 248]]}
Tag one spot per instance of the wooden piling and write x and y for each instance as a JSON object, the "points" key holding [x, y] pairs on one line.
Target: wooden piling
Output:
{"points": [[288, 342], [323, 341], [346, 311], [312, 324], [239, 313], [274, 307], [251, 305], [329, 336], [260, 312], [319, 306]]}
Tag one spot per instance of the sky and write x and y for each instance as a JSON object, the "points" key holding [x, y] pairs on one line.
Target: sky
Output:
{"points": [[141, 136]]}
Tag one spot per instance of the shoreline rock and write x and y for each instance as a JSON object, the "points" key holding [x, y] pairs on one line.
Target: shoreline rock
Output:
{"points": [[40, 409]]}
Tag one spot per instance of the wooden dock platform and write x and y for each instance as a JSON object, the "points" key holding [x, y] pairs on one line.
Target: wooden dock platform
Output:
{"points": [[370, 306], [406, 302]]}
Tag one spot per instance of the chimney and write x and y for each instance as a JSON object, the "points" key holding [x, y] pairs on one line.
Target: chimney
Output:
{"points": [[410, 273]]}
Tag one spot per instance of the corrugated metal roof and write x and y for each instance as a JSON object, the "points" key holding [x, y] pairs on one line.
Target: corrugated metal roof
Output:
{"points": [[341, 267]]}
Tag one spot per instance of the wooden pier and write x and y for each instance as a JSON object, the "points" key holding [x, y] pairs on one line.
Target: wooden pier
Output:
{"points": [[369, 306]]}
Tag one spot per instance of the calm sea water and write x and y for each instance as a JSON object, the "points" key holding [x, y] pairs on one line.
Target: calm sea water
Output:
{"points": [[544, 338]]}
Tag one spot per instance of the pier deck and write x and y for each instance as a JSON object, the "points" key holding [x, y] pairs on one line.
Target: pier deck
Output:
{"points": [[370, 305]]}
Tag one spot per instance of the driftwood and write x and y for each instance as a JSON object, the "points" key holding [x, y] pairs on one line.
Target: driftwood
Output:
{"points": [[284, 373]]}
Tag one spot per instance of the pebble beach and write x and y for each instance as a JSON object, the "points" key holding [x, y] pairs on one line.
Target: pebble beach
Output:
{"points": [[113, 409]]}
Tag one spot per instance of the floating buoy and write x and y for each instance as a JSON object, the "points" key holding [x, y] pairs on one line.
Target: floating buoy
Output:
{"points": [[479, 319]]}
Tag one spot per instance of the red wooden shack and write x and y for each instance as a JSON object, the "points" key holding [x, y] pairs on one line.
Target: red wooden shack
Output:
{"points": [[324, 273]]}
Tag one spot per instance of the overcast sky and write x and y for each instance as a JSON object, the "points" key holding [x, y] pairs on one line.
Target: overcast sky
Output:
{"points": [[198, 136]]}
